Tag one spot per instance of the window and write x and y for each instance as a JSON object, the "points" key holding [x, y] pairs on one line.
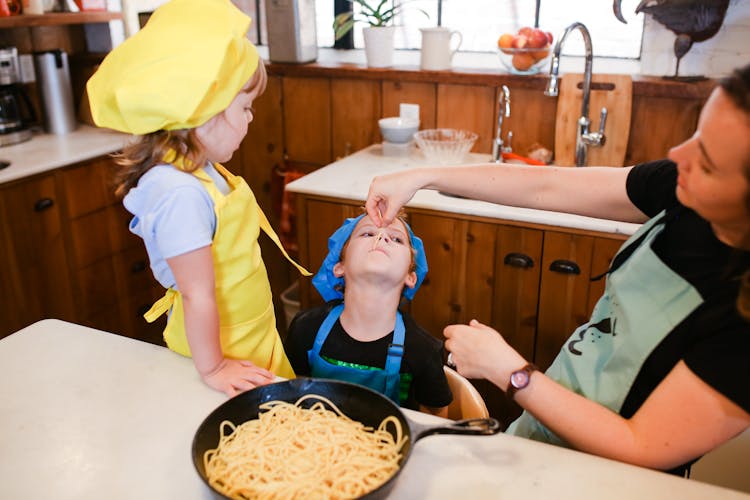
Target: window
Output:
{"points": [[481, 22]]}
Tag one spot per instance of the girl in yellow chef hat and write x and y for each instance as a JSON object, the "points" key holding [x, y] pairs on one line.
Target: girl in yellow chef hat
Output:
{"points": [[184, 86]]}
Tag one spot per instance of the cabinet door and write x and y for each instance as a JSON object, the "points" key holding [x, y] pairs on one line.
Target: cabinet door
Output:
{"points": [[307, 119], [35, 269], [438, 304], [318, 220], [564, 292], [355, 112], [518, 268], [423, 94], [604, 251]]}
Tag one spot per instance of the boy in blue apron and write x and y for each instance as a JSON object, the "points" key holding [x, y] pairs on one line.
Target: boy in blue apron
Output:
{"points": [[364, 338]]}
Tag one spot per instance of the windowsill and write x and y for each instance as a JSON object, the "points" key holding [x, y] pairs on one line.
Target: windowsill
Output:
{"points": [[473, 60]]}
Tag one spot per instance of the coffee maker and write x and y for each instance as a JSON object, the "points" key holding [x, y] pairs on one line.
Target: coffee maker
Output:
{"points": [[16, 111]]}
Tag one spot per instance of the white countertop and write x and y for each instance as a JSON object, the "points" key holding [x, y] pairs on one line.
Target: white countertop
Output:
{"points": [[350, 177], [48, 151], [86, 414]]}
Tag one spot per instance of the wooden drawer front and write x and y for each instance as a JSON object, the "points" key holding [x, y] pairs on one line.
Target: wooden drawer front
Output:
{"points": [[97, 287], [101, 234], [88, 187], [136, 325], [133, 272]]}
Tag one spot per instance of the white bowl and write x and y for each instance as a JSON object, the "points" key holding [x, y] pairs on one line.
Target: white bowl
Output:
{"points": [[445, 145], [398, 130]]}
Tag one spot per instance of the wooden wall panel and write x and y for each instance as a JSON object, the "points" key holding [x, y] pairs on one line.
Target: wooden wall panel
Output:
{"points": [[355, 112], [424, 94], [532, 119], [307, 119], [659, 123], [470, 107]]}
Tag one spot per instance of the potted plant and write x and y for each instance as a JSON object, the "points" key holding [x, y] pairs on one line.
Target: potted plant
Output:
{"points": [[378, 35]]}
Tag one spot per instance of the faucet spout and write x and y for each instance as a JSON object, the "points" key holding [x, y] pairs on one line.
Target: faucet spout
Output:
{"points": [[583, 137], [503, 110]]}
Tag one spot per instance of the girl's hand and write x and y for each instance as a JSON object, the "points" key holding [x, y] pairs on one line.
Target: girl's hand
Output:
{"points": [[481, 352], [233, 376], [388, 194]]}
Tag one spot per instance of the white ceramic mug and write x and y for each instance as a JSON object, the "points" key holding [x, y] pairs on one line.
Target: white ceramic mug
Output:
{"points": [[437, 52]]}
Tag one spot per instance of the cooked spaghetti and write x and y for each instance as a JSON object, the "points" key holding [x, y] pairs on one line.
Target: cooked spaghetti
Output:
{"points": [[293, 452]]}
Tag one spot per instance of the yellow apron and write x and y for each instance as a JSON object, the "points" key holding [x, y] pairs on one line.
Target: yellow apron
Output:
{"points": [[247, 322]]}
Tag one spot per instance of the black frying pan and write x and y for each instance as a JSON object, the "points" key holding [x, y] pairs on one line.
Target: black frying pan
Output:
{"points": [[356, 401]]}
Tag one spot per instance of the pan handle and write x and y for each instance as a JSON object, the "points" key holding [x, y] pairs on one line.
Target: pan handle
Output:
{"points": [[467, 427]]}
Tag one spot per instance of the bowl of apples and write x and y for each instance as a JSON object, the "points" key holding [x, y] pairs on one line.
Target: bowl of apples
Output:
{"points": [[526, 52]]}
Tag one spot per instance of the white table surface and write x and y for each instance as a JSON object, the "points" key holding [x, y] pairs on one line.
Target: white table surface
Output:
{"points": [[86, 414], [349, 178], [48, 151]]}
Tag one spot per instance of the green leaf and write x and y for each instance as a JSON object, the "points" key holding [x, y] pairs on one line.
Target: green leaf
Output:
{"points": [[343, 28]]}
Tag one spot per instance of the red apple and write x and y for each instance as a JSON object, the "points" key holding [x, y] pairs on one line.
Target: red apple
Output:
{"points": [[525, 31], [549, 37], [537, 39], [520, 42]]}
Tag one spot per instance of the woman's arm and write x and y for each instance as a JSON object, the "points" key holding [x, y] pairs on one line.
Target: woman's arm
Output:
{"points": [[591, 191], [194, 274], [682, 419]]}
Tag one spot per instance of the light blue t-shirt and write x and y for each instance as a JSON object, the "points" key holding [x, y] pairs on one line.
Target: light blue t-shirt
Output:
{"points": [[173, 213]]}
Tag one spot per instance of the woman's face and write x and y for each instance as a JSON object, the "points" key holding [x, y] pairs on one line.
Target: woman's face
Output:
{"points": [[711, 166], [222, 134]]}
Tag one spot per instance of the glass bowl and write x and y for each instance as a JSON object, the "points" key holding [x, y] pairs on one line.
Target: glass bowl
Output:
{"points": [[524, 61], [445, 145]]}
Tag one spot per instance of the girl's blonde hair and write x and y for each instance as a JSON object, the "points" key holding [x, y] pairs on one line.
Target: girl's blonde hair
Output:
{"points": [[149, 150]]}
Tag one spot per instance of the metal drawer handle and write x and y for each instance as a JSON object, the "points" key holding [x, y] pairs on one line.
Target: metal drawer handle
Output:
{"points": [[138, 267], [516, 259], [565, 267], [43, 204]]}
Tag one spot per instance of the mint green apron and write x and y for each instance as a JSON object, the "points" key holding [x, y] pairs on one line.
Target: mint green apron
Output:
{"points": [[643, 301]]}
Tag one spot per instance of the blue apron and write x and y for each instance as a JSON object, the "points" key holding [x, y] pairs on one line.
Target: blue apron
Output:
{"points": [[643, 301], [385, 381]]}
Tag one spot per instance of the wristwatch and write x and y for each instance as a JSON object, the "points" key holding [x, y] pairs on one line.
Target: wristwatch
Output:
{"points": [[520, 379]]}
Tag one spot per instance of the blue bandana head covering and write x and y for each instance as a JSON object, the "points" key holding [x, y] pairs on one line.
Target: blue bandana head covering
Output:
{"points": [[330, 286]]}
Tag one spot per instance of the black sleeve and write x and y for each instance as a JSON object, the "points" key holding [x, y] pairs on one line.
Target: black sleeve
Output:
{"points": [[301, 336], [651, 186], [430, 384], [722, 358]]}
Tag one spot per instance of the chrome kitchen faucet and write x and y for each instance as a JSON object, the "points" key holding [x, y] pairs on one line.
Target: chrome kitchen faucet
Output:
{"points": [[584, 138], [503, 110]]}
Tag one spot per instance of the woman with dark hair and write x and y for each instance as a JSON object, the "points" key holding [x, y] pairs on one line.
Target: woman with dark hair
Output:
{"points": [[671, 379]]}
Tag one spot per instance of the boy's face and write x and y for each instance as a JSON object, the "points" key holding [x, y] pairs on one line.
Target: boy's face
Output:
{"points": [[384, 254], [222, 134]]}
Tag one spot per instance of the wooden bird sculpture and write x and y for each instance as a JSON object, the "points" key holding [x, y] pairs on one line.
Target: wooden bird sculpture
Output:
{"points": [[691, 20]]}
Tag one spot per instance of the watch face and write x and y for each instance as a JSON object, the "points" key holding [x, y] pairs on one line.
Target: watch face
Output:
{"points": [[519, 379]]}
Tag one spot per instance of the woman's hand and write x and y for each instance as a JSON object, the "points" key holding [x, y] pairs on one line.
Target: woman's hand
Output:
{"points": [[481, 352], [389, 193], [233, 376]]}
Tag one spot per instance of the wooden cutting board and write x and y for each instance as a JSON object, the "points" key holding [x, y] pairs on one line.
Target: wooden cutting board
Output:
{"points": [[615, 92]]}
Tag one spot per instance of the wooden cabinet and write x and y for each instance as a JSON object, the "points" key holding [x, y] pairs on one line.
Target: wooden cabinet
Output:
{"points": [[531, 283], [34, 277], [66, 253], [112, 282]]}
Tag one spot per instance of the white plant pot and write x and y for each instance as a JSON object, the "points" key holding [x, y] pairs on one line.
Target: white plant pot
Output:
{"points": [[379, 45]]}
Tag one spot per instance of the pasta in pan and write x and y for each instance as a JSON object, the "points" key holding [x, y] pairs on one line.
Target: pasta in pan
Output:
{"points": [[293, 452]]}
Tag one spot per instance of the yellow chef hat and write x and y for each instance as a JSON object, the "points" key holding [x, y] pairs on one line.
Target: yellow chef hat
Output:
{"points": [[185, 66]]}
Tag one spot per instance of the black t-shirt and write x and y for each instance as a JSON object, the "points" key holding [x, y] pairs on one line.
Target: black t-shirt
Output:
{"points": [[422, 377], [713, 340]]}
